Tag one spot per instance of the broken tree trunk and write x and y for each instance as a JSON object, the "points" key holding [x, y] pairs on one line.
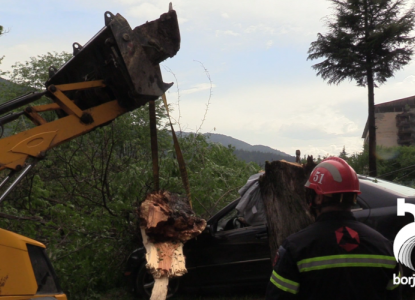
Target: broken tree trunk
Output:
{"points": [[282, 190], [166, 223]]}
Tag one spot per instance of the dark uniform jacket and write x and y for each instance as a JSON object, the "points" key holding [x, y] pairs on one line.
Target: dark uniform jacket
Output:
{"points": [[337, 257]]}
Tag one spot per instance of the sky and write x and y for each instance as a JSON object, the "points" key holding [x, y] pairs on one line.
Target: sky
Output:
{"points": [[241, 71]]}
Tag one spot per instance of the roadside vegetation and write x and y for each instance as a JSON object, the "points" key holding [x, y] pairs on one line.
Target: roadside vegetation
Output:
{"points": [[80, 200], [396, 164]]}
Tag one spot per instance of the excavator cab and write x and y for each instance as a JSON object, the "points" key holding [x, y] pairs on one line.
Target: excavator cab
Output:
{"points": [[25, 270]]}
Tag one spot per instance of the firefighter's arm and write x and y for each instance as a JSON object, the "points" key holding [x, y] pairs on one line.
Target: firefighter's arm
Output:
{"points": [[285, 278]]}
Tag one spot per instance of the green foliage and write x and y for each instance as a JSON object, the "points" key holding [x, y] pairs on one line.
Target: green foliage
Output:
{"points": [[343, 153], [215, 173], [359, 161], [259, 157], [80, 200], [10, 90], [34, 73], [364, 34], [368, 40], [395, 164], [26, 78]]}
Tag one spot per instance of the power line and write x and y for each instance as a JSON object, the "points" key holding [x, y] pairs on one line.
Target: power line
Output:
{"points": [[402, 169]]}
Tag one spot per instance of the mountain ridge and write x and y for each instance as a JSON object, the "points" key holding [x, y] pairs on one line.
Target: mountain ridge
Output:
{"points": [[247, 152], [241, 145]]}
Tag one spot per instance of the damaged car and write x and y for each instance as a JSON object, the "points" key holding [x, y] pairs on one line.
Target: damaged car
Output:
{"points": [[233, 254]]}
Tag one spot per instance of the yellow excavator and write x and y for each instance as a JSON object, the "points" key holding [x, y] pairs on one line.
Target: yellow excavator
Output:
{"points": [[116, 72]]}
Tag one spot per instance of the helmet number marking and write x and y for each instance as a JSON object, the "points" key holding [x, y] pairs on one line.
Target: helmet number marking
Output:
{"points": [[318, 177]]}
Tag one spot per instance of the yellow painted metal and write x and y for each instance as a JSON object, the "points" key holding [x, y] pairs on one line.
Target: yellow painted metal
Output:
{"points": [[46, 107], [36, 118], [35, 144], [15, 265], [16, 268], [16, 164], [81, 85], [66, 104], [29, 297], [17, 241], [33, 141], [17, 280]]}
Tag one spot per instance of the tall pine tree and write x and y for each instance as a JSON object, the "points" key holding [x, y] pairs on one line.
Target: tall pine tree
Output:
{"points": [[368, 40]]}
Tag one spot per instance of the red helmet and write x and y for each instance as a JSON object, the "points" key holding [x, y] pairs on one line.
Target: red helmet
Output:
{"points": [[333, 175]]}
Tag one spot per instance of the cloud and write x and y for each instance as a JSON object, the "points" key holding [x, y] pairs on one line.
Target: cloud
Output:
{"points": [[304, 132], [197, 88], [284, 117], [260, 28], [262, 97], [181, 20], [24, 51], [146, 11], [408, 80], [352, 145], [227, 32]]}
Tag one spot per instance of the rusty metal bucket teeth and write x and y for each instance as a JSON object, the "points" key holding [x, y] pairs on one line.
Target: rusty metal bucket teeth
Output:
{"points": [[126, 59]]}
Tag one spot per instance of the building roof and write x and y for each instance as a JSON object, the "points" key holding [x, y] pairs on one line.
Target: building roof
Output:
{"points": [[397, 103], [391, 106]]}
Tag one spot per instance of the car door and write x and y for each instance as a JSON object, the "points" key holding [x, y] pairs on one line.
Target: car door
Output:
{"points": [[232, 256]]}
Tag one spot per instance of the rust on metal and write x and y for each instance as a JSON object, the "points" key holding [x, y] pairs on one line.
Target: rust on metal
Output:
{"points": [[126, 59], [3, 281], [115, 72]]}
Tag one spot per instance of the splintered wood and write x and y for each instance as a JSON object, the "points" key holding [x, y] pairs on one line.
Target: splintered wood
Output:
{"points": [[166, 223], [283, 193]]}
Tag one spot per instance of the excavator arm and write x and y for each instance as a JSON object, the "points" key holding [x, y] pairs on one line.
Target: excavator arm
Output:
{"points": [[115, 72]]}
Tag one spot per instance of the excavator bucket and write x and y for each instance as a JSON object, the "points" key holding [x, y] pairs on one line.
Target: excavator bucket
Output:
{"points": [[115, 72], [127, 60]]}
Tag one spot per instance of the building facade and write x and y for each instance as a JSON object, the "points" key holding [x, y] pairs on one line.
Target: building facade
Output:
{"points": [[395, 123]]}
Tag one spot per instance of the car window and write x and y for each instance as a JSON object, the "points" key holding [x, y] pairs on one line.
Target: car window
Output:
{"points": [[356, 206], [359, 205], [227, 221]]}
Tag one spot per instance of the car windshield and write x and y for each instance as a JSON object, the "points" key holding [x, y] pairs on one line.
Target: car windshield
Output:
{"points": [[397, 188]]}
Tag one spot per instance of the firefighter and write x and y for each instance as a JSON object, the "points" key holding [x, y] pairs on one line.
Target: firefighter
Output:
{"points": [[337, 257]]}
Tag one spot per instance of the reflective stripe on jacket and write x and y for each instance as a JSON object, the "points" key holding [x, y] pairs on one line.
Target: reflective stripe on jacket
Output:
{"points": [[335, 258]]}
